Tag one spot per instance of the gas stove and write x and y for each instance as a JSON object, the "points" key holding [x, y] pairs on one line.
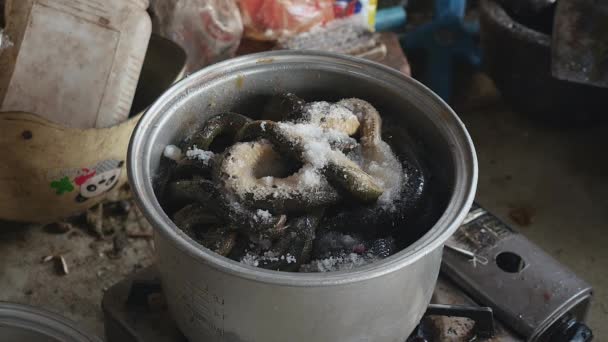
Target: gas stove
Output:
{"points": [[488, 271], [135, 311]]}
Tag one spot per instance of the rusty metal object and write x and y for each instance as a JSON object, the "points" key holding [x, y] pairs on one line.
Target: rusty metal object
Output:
{"points": [[458, 329], [482, 316], [529, 290], [518, 59], [579, 46]]}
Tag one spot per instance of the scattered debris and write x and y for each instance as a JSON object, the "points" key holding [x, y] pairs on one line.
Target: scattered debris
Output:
{"points": [[140, 235], [116, 209], [144, 225], [126, 206], [156, 301], [87, 261], [110, 225], [74, 233], [119, 242], [60, 264], [94, 217], [58, 227], [47, 258]]}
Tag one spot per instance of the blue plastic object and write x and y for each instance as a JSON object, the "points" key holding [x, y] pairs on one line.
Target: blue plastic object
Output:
{"points": [[390, 18], [444, 39]]}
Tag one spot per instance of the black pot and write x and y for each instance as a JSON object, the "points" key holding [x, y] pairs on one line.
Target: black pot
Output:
{"points": [[518, 59]]}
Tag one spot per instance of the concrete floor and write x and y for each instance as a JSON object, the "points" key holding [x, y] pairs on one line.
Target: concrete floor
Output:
{"points": [[92, 261], [553, 178]]}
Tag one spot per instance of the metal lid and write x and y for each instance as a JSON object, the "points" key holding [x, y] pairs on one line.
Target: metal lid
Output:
{"points": [[25, 323]]}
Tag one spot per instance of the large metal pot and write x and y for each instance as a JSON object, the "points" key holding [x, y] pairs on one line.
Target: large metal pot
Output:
{"points": [[213, 298]]}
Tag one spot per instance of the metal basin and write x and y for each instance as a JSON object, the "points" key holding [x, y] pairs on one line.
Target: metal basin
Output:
{"points": [[213, 298], [518, 58], [20, 322]]}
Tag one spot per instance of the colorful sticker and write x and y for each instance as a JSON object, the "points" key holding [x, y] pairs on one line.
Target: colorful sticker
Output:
{"points": [[89, 182], [62, 185], [363, 9]]}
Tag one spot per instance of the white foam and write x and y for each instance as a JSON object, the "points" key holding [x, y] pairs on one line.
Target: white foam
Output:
{"points": [[198, 154], [262, 216], [309, 177], [314, 140], [290, 259], [342, 262], [172, 152], [331, 115], [386, 169], [268, 256], [250, 259]]}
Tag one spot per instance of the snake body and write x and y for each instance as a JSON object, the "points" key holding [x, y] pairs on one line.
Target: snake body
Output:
{"points": [[273, 183]]}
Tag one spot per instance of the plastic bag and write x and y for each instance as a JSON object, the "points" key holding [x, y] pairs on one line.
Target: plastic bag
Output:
{"points": [[208, 30], [273, 19], [280, 19]]}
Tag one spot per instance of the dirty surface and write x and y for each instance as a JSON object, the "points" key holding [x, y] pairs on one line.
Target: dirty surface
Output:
{"points": [[95, 260], [550, 184]]}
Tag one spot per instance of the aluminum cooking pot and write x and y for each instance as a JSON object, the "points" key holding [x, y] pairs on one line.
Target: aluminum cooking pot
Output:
{"points": [[213, 298]]}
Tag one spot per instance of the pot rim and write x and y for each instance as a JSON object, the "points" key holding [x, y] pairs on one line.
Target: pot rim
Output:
{"points": [[461, 147]]}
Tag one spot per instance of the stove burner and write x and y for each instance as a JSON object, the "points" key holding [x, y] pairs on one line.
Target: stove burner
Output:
{"points": [[422, 333], [146, 318], [482, 316]]}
